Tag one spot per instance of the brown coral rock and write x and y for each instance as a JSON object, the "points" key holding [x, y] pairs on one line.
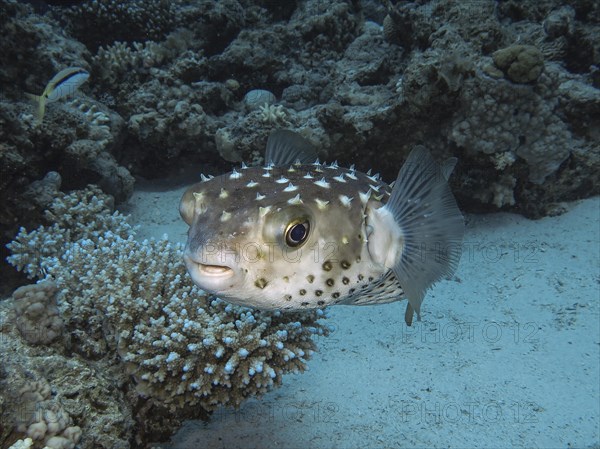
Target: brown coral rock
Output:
{"points": [[520, 63], [37, 316]]}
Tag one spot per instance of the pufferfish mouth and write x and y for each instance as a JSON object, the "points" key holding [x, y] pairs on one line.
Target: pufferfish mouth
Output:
{"points": [[214, 270], [210, 277]]}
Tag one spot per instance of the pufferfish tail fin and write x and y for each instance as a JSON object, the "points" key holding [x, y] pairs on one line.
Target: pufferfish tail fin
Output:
{"points": [[429, 225], [40, 100]]}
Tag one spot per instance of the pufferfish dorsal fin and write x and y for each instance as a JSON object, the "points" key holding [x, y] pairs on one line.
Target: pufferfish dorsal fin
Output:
{"points": [[286, 147]]}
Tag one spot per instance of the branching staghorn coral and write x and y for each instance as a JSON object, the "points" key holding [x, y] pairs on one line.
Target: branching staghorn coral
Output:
{"points": [[71, 218], [182, 347], [122, 62]]}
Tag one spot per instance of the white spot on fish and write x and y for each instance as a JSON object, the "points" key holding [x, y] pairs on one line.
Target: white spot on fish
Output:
{"points": [[308, 176], [339, 178], [235, 174], [316, 163], [260, 197], [364, 196], [262, 211], [225, 216], [346, 200], [376, 188], [374, 178], [224, 194], [322, 183], [290, 188], [252, 184], [244, 166], [199, 204], [334, 165], [266, 174], [322, 205], [282, 180], [295, 200], [205, 178], [352, 175]]}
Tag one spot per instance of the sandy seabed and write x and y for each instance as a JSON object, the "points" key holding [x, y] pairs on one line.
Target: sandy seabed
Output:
{"points": [[507, 354]]}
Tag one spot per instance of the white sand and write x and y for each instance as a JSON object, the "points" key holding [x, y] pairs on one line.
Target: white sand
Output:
{"points": [[507, 354]]}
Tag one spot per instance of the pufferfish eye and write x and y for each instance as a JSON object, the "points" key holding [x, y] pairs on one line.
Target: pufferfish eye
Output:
{"points": [[296, 233]]}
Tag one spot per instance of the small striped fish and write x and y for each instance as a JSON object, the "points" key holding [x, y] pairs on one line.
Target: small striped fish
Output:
{"points": [[297, 234], [64, 83]]}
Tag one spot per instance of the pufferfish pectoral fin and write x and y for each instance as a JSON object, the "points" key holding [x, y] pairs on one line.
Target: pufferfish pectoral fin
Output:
{"points": [[424, 228], [285, 147]]}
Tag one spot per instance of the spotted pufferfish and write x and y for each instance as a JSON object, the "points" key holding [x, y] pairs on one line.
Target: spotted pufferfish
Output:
{"points": [[297, 234]]}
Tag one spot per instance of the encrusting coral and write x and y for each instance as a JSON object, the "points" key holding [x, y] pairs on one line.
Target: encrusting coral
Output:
{"points": [[44, 418], [499, 117], [37, 316], [183, 349], [22, 444], [520, 63]]}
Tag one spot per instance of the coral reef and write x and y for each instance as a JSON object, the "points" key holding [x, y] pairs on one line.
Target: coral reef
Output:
{"points": [[105, 21], [47, 392], [500, 116], [178, 351], [182, 84], [511, 88]]}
